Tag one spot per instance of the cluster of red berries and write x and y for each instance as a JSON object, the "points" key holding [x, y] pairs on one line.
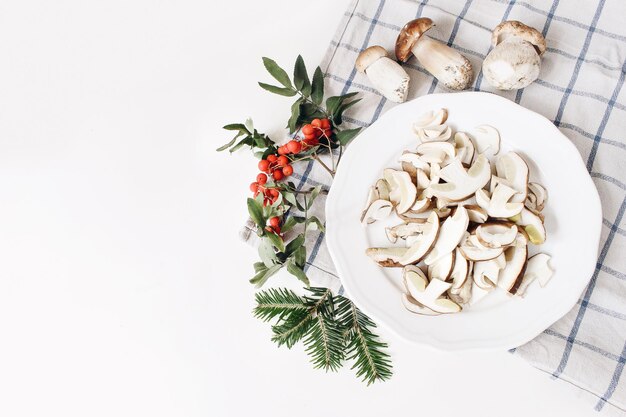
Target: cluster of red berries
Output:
{"points": [[273, 225], [270, 195], [312, 133], [276, 166]]}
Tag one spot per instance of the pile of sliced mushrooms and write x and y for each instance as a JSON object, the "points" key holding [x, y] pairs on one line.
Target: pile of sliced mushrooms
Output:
{"points": [[468, 215]]}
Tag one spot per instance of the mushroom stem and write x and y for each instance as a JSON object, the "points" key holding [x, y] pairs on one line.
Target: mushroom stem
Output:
{"points": [[444, 62], [389, 78]]}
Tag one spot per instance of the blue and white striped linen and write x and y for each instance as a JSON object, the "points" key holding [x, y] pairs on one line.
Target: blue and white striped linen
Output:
{"points": [[580, 89]]}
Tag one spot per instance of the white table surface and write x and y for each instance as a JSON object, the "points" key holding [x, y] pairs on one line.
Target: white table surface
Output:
{"points": [[123, 285]]}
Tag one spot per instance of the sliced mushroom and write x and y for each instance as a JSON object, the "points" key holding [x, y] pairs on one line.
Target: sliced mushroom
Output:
{"points": [[539, 265], [382, 188], [431, 118], [421, 205], [378, 210], [496, 234], [498, 205], [477, 214], [463, 294], [486, 273], [407, 193], [436, 152], [486, 139], [403, 231], [420, 248], [411, 163], [460, 271], [435, 133], [532, 225], [387, 257], [473, 250], [430, 294], [413, 306], [461, 183], [514, 169], [464, 148], [495, 180], [442, 268], [515, 60], [450, 234], [446, 64], [387, 76], [511, 276], [537, 197]]}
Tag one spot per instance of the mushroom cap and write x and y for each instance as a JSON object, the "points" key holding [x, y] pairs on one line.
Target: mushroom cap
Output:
{"points": [[516, 28], [410, 34], [368, 56]]}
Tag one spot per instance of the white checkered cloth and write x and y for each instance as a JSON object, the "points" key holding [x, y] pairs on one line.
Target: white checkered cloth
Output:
{"points": [[580, 89]]}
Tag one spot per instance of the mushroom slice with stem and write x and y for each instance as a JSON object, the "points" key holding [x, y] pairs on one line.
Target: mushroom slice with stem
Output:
{"points": [[511, 276], [537, 197], [476, 214], [442, 268], [495, 180], [387, 76], [486, 273], [424, 243], [473, 250], [461, 183], [537, 268], [435, 152], [372, 195], [532, 225], [413, 306], [403, 231], [463, 294], [430, 294], [411, 163], [378, 210], [452, 231], [421, 205], [406, 191], [382, 188], [460, 271], [387, 257], [464, 148], [496, 234], [486, 140], [498, 204], [431, 118], [435, 133], [515, 60], [419, 281], [446, 64], [514, 169]]}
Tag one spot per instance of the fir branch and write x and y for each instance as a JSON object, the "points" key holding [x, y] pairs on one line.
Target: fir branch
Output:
{"points": [[371, 362], [279, 303], [292, 328], [324, 344]]}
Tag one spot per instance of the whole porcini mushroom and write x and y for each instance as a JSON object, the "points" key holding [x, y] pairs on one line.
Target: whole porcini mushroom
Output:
{"points": [[515, 60], [387, 76], [446, 64]]}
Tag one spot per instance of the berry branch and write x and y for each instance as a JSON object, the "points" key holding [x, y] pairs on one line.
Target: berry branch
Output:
{"points": [[281, 213]]}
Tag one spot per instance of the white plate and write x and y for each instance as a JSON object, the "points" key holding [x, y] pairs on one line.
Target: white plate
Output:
{"points": [[573, 223]]}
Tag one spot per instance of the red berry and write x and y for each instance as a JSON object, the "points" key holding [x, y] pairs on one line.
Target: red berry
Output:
{"points": [[283, 150], [261, 178], [312, 142], [316, 123], [264, 165], [277, 230], [273, 192], [272, 158], [325, 124], [308, 130], [275, 221], [311, 136], [282, 161], [254, 187], [287, 170], [294, 146], [278, 175], [328, 133]]}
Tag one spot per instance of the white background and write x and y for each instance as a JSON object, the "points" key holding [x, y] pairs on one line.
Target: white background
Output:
{"points": [[123, 285]]}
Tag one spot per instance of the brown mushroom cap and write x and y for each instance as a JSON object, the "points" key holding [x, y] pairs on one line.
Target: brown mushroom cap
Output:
{"points": [[409, 34], [515, 28], [369, 56]]}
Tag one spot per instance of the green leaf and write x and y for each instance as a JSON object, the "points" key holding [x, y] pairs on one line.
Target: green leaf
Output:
{"points": [[293, 328], [294, 244], [267, 253], [292, 124], [291, 222], [299, 256], [262, 277], [314, 193], [345, 136], [235, 126], [333, 103], [338, 116], [249, 125], [277, 72], [287, 92], [291, 199], [255, 209], [316, 222], [276, 241], [245, 141], [300, 77], [228, 145], [317, 87], [259, 266], [297, 272], [277, 302]]}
